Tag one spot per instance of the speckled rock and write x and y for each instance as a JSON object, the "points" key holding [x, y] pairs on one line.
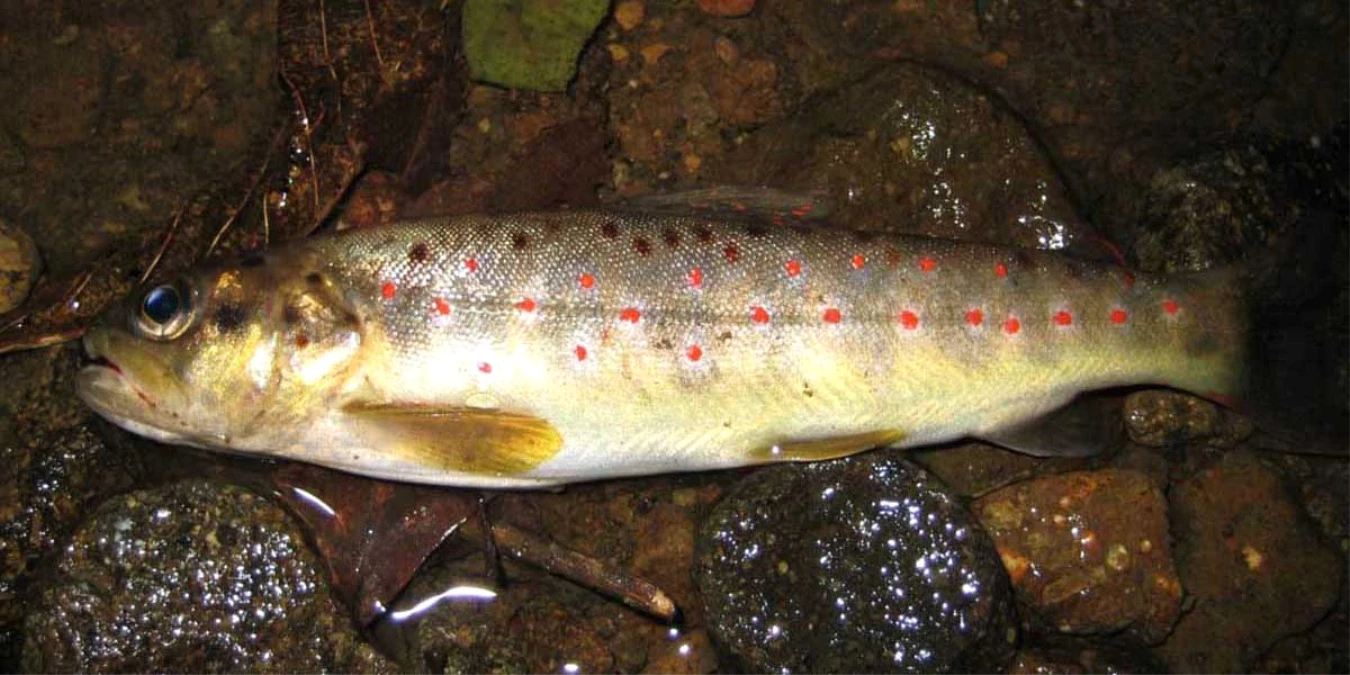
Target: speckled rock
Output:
{"points": [[193, 577], [1159, 418], [19, 266], [1088, 552], [1205, 213], [861, 565], [1244, 550]]}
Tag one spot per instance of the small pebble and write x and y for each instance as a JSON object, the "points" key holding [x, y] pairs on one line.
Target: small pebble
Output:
{"points": [[629, 14], [726, 8], [19, 265]]}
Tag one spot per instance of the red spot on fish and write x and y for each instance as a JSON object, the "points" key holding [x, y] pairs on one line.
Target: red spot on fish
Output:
{"points": [[909, 320], [759, 314], [630, 314], [858, 261], [586, 281], [484, 367], [927, 264], [832, 315], [1001, 271], [739, 207], [526, 305], [975, 316], [388, 290], [1012, 326], [1170, 306], [471, 264], [301, 341], [442, 307], [732, 253], [793, 267], [1062, 318], [778, 219], [1127, 279], [694, 352], [801, 210], [1118, 316], [696, 278], [642, 246], [580, 352]]}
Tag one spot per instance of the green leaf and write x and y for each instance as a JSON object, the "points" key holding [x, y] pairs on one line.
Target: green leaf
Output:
{"points": [[528, 44]]}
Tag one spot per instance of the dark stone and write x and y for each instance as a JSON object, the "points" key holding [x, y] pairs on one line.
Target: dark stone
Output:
{"points": [[859, 565]]}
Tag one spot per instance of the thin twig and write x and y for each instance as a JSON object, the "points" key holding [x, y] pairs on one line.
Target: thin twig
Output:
{"points": [[257, 180], [164, 245], [636, 593], [370, 23], [323, 34], [309, 136]]}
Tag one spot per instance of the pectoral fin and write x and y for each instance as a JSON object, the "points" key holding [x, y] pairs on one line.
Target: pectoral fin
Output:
{"points": [[468, 440], [1087, 426], [828, 448]]}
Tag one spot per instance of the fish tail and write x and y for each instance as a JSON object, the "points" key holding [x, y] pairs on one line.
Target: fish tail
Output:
{"points": [[1294, 381]]}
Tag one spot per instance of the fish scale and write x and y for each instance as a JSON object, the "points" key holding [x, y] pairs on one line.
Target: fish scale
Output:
{"points": [[535, 349]]}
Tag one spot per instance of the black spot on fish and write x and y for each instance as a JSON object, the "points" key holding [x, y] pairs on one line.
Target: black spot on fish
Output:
{"points": [[642, 246], [609, 230], [803, 230], [520, 241], [314, 279], [1023, 259], [301, 341], [704, 234], [756, 230], [724, 336], [864, 236], [228, 317], [419, 252], [1073, 270], [892, 256], [671, 237], [664, 343], [290, 315], [252, 259]]}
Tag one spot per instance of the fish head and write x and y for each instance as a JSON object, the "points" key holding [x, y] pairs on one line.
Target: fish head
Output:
{"points": [[224, 358]]}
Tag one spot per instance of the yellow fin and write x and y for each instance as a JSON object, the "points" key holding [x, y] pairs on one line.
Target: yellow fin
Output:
{"points": [[468, 440], [829, 448]]}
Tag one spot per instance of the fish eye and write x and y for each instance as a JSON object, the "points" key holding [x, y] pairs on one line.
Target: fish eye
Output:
{"points": [[164, 312]]}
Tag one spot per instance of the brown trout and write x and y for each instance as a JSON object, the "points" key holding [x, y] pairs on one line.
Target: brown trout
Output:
{"points": [[539, 349]]}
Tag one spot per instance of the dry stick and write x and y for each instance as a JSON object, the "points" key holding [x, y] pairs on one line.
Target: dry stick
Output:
{"points": [[323, 33], [589, 572], [164, 245], [370, 24], [257, 180], [309, 136], [53, 338]]}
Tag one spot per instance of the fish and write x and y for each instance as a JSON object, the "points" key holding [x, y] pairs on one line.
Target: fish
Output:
{"points": [[539, 349]]}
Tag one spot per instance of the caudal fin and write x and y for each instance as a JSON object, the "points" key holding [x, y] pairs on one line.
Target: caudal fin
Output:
{"points": [[1298, 375]]}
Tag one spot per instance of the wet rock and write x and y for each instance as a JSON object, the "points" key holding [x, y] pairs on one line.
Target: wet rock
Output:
{"points": [[1207, 211], [1159, 418], [193, 577], [1251, 560], [1088, 552], [912, 150], [19, 265], [1094, 658], [860, 565], [727, 8]]}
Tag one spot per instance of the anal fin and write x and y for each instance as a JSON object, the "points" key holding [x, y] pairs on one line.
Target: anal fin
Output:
{"points": [[1086, 426], [828, 448], [467, 440]]}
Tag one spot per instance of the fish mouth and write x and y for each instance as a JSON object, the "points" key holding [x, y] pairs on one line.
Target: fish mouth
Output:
{"points": [[104, 386]]}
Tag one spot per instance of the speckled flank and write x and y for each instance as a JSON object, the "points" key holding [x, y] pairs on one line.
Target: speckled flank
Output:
{"points": [[718, 329]]}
